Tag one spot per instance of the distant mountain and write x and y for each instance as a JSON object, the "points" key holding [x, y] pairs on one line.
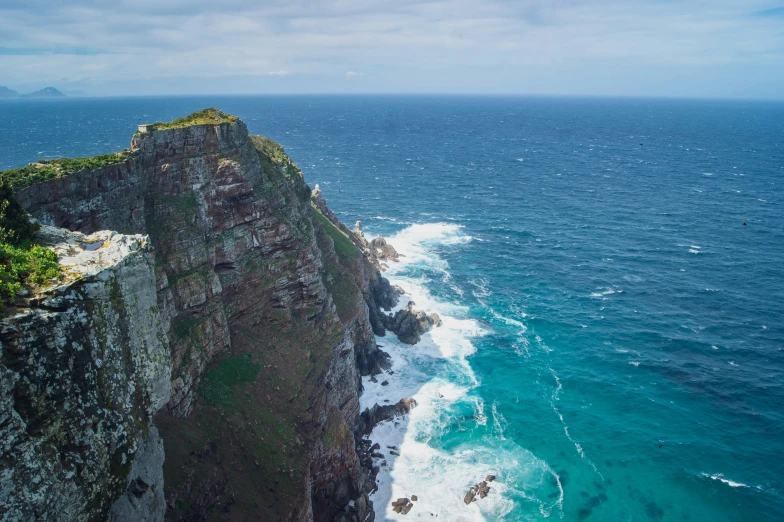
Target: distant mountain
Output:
{"points": [[5, 92], [46, 92]]}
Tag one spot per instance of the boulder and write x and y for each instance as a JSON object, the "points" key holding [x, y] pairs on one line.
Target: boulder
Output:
{"points": [[409, 324]]}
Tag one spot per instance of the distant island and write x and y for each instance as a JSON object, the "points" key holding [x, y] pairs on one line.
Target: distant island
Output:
{"points": [[46, 92]]}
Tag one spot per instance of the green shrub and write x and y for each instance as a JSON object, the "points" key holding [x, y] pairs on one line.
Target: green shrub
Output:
{"points": [[57, 168], [19, 266], [15, 226], [21, 262]]}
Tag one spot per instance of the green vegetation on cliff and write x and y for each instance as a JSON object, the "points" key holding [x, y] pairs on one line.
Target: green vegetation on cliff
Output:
{"points": [[21, 261], [218, 384], [57, 168], [275, 162], [204, 117], [344, 248]]}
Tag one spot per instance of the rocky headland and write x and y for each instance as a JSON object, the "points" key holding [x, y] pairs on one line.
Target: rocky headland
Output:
{"points": [[200, 357]]}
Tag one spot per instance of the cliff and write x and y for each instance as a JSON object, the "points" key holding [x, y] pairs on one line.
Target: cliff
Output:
{"points": [[224, 321]]}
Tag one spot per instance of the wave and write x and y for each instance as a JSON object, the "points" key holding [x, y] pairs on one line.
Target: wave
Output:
{"points": [[730, 483], [556, 396], [606, 292], [437, 374]]}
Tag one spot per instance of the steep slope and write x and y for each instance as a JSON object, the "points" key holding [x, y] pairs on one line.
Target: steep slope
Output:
{"points": [[266, 307]]}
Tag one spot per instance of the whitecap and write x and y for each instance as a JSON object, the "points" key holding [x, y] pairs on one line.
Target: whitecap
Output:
{"points": [[730, 483]]}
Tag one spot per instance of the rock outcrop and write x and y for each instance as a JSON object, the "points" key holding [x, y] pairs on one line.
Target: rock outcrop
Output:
{"points": [[372, 416], [84, 366], [409, 324], [231, 332]]}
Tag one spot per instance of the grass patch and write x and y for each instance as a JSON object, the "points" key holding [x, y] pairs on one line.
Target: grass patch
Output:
{"points": [[218, 385], [44, 170], [204, 117], [344, 248]]}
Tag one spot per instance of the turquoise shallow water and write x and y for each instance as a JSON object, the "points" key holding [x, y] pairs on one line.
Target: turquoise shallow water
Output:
{"points": [[613, 348]]}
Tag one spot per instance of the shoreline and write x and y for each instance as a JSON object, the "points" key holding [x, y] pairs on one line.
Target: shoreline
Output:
{"points": [[435, 373]]}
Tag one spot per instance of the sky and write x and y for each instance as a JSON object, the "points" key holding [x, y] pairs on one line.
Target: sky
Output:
{"points": [[681, 48]]}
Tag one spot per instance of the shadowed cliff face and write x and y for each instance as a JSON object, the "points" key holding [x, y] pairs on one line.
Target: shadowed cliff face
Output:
{"points": [[266, 308]]}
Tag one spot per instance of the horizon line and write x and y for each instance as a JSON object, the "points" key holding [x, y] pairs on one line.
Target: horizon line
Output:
{"points": [[405, 94]]}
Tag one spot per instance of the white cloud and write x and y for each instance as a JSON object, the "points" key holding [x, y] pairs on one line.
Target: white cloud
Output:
{"points": [[507, 44]]}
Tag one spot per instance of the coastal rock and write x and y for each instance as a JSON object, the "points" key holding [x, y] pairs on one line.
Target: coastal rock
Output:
{"points": [[372, 416], [481, 490], [382, 250], [409, 324], [402, 506]]}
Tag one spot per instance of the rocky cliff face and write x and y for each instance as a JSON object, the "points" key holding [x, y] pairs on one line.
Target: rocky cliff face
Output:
{"points": [[83, 368], [234, 327]]}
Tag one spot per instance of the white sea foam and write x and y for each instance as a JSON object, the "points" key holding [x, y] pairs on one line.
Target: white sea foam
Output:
{"points": [[730, 483], [437, 374], [481, 290]]}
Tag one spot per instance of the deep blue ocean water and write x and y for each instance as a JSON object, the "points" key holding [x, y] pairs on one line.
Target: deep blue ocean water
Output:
{"points": [[613, 339]]}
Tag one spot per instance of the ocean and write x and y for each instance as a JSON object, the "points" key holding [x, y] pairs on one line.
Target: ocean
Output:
{"points": [[609, 272]]}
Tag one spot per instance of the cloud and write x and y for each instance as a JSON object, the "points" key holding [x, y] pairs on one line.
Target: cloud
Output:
{"points": [[446, 45]]}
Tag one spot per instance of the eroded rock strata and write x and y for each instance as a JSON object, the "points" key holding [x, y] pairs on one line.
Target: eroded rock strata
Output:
{"points": [[213, 311]]}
